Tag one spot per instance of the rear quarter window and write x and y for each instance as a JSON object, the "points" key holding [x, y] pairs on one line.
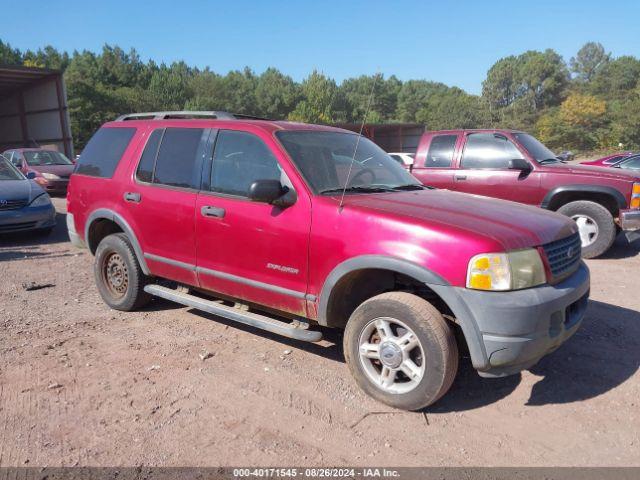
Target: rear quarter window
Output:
{"points": [[103, 152]]}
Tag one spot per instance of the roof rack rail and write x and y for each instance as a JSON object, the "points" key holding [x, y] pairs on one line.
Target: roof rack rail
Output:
{"points": [[186, 114]]}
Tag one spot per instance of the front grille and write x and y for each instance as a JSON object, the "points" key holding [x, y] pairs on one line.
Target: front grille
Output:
{"points": [[564, 255], [12, 204], [12, 227]]}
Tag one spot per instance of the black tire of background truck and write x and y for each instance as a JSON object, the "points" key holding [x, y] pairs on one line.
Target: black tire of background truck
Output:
{"points": [[435, 335], [134, 297], [604, 220]]}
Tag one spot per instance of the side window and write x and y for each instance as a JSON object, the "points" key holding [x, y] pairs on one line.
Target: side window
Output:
{"points": [[440, 152], [239, 159], [488, 150], [148, 159], [179, 158], [103, 152]]}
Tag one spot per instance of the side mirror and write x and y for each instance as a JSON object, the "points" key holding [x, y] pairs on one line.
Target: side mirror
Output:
{"points": [[267, 191], [520, 164], [31, 175]]}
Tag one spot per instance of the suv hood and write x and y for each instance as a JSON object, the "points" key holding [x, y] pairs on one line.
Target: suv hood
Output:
{"points": [[509, 224], [19, 190], [594, 171]]}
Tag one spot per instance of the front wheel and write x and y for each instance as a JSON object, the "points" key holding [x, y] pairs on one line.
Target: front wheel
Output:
{"points": [[595, 224], [400, 350], [118, 275]]}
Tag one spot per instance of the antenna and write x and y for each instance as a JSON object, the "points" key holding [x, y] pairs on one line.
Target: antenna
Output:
{"points": [[355, 150]]}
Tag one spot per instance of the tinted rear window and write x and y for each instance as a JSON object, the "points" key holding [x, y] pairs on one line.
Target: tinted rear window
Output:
{"points": [[179, 158], [103, 152]]}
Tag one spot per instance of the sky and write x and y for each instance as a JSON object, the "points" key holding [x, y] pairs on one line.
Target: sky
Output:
{"points": [[453, 42]]}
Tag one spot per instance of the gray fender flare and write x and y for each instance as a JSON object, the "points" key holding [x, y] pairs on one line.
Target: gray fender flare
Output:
{"points": [[122, 223], [434, 281]]}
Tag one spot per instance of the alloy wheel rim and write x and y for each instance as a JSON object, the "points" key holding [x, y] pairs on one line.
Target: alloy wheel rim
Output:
{"points": [[587, 228], [115, 275], [391, 355]]}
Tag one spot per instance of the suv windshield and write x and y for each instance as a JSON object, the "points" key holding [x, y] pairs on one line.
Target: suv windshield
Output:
{"points": [[324, 159], [8, 171], [45, 157], [536, 148]]}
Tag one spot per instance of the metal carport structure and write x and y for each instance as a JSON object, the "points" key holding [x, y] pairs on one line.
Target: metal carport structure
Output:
{"points": [[33, 109]]}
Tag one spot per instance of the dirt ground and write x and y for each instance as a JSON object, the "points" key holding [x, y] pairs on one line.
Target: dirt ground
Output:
{"points": [[81, 384]]}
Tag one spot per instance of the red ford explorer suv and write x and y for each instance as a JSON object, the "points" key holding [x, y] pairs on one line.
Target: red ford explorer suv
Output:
{"points": [[513, 165], [251, 220]]}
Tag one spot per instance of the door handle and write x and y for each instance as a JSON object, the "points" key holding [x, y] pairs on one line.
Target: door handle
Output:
{"points": [[461, 177], [133, 197], [209, 211]]}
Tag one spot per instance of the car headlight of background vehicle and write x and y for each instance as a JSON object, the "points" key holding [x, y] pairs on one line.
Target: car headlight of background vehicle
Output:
{"points": [[50, 176], [506, 271], [41, 201]]}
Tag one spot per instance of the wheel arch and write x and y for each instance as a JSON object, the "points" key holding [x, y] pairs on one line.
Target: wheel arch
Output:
{"points": [[436, 290], [117, 219], [609, 197]]}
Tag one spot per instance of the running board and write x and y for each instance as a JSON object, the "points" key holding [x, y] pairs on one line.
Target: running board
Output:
{"points": [[248, 318]]}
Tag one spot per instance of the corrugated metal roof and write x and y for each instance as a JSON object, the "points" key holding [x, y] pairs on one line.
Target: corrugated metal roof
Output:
{"points": [[16, 77]]}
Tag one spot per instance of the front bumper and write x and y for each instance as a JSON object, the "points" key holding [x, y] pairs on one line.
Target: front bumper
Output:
{"points": [[629, 220], [56, 187], [510, 331], [27, 218]]}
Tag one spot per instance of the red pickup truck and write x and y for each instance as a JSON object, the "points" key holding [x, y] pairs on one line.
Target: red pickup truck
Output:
{"points": [[514, 165]]}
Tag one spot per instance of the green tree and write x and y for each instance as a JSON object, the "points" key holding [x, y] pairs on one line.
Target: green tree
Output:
{"points": [[168, 87], [9, 55], [617, 78], [321, 101], [589, 59], [453, 108], [535, 79], [276, 94], [413, 95], [357, 93]]}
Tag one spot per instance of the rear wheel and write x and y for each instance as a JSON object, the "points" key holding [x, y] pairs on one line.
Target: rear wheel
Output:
{"points": [[595, 224], [400, 350], [118, 275]]}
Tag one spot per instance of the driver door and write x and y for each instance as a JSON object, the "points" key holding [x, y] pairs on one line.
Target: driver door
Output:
{"points": [[250, 250], [484, 170]]}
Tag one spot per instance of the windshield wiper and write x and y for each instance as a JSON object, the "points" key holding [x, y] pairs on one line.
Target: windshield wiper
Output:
{"points": [[358, 188], [549, 160], [412, 186]]}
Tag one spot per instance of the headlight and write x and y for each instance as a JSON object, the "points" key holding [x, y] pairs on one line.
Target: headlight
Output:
{"points": [[635, 196], [506, 271], [41, 201], [50, 176]]}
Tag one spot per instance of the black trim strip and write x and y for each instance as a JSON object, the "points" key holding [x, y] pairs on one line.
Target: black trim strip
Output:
{"points": [[232, 278], [170, 261]]}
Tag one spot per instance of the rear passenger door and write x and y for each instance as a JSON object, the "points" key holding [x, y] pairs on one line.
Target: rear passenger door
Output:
{"points": [[250, 250], [435, 167], [162, 200]]}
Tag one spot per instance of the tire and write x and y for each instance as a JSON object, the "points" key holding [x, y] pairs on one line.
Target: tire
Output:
{"points": [[118, 275], [597, 228], [435, 353]]}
